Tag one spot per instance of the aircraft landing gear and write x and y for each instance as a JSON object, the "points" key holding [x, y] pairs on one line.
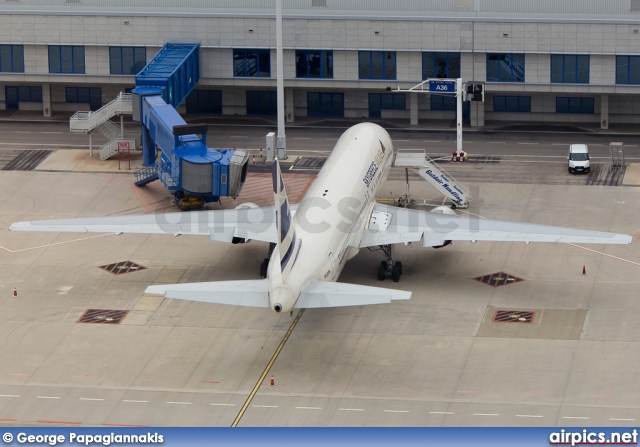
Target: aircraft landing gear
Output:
{"points": [[263, 268], [265, 264], [389, 268]]}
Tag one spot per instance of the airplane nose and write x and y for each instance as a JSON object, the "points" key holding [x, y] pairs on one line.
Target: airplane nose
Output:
{"points": [[282, 299]]}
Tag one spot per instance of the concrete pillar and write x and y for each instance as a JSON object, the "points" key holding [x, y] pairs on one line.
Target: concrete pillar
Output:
{"points": [[46, 100], [413, 109], [289, 105], [604, 112], [476, 111]]}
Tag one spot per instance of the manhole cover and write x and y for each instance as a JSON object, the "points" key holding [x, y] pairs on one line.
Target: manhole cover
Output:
{"points": [[498, 279], [103, 316], [122, 267], [513, 316]]}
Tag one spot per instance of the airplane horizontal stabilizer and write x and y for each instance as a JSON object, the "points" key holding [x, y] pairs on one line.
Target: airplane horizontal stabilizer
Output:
{"points": [[252, 293], [336, 294]]}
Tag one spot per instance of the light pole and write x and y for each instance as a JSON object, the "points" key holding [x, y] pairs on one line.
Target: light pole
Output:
{"points": [[281, 138]]}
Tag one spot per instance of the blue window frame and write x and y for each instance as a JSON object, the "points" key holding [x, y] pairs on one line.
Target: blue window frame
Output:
{"points": [[506, 67], [205, 101], [377, 65], [512, 103], [127, 60], [570, 68], [252, 63], [66, 59], [12, 58], [443, 102], [574, 105], [325, 104], [314, 64], [627, 69], [262, 102], [440, 65]]}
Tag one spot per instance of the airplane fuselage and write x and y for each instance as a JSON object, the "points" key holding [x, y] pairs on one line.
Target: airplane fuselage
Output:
{"points": [[332, 215]]}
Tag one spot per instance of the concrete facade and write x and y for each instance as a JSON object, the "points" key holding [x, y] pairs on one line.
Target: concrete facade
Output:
{"points": [[471, 28]]}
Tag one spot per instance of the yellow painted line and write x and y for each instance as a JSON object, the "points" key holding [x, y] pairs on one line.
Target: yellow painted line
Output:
{"points": [[56, 243], [267, 369], [603, 254]]}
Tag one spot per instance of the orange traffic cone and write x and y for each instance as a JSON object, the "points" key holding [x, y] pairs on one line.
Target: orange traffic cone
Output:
{"points": [[15, 292], [272, 382], [584, 270]]}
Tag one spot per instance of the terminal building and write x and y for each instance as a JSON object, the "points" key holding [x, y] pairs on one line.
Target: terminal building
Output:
{"points": [[562, 61]]}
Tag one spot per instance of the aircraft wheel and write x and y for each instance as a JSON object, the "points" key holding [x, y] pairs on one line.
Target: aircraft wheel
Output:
{"points": [[263, 268], [396, 272], [382, 271], [399, 264]]}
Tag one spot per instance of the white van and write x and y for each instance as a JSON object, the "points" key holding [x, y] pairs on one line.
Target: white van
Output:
{"points": [[578, 158]]}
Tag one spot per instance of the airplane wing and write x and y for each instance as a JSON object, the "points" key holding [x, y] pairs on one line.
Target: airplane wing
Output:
{"points": [[219, 225], [394, 225]]}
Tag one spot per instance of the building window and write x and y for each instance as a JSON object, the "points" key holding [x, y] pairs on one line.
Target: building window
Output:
{"points": [[377, 65], [66, 59], [512, 103], [505, 67], [127, 60], [325, 104], [314, 64], [251, 63], [262, 102], [442, 102], [12, 58], [85, 95], [574, 105], [627, 69], [30, 94], [440, 65], [570, 68], [205, 101], [386, 101]]}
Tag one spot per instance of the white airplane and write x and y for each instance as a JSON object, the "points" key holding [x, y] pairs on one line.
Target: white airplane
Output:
{"points": [[312, 242]]}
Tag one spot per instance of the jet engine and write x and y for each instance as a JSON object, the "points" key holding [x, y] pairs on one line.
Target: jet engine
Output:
{"points": [[443, 210], [245, 205]]}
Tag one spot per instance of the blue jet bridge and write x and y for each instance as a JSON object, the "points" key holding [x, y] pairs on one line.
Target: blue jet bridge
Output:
{"points": [[195, 173]]}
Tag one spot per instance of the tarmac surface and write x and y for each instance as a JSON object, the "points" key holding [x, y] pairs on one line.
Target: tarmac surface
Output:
{"points": [[439, 359]]}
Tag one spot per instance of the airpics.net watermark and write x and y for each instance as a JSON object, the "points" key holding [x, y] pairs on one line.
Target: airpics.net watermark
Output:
{"points": [[589, 437], [314, 215], [23, 438]]}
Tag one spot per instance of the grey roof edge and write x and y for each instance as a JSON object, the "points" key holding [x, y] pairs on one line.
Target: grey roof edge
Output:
{"points": [[323, 14]]}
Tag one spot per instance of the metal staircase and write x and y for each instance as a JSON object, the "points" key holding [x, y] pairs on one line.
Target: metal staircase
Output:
{"points": [[146, 175], [114, 134], [85, 122], [429, 170]]}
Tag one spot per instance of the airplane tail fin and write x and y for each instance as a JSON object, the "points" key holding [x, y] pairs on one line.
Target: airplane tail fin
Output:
{"points": [[252, 293], [287, 241]]}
